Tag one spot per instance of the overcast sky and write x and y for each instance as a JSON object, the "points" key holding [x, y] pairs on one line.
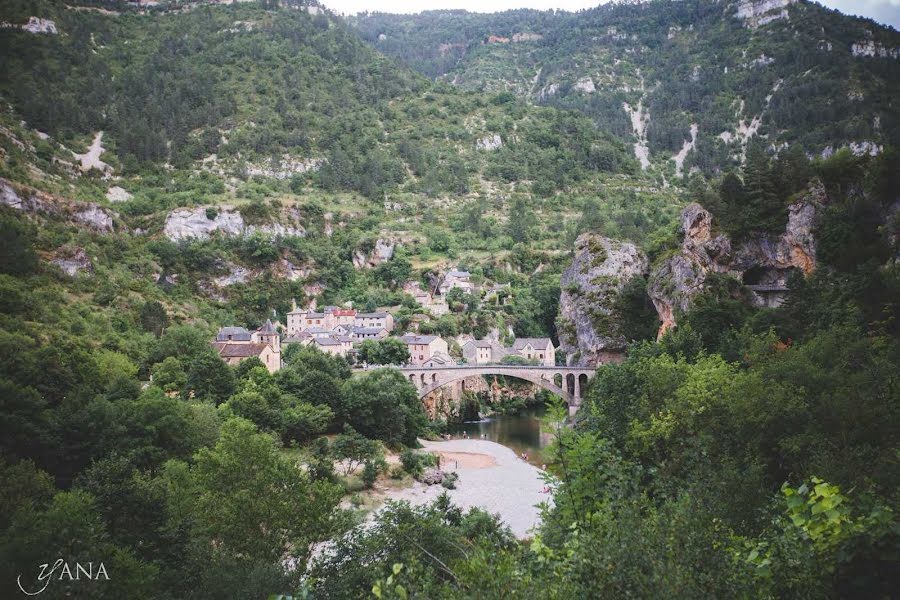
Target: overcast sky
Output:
{"points": [[885, 11]]}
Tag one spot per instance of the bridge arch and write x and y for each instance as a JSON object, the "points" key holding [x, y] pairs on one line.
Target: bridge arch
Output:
{"points": [[539, 380]]}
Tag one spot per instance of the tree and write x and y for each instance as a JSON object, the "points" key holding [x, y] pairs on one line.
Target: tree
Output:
{"points": [[256, 504], [521, 221], [72, 525], [384, 405], [352, 449], [17, 255], [169, 375], [153, 317], [209, 379], [394, 272], [389, 351]]}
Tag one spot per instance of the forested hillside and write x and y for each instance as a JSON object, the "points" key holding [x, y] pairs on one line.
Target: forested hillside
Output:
{"points": [[171, 169], [694, 80]]}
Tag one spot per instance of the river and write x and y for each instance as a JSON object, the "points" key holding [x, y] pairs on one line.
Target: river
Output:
{"points": [[521, 432]]}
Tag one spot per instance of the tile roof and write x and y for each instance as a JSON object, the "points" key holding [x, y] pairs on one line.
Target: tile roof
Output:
{"points": [[237, 333], [228, 350], [418, 339], [367, 329], [267, 327], [535, 343]]}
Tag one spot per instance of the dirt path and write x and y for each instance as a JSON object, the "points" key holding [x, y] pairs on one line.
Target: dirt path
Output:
{"points": [[91, 159]]}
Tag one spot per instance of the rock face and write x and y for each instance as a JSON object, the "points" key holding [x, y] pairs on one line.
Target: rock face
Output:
{"points": [[381, 253], [236, 274], [871, 49], [95, 217], [34, 25], [763, 263], [73, 262], [757, 13], [585, 84], [588, 326], [34, 202], [118, 194], [195, 223], [489, 142]]}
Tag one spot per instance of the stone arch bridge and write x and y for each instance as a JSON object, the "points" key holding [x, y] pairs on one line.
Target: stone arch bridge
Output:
{"points": [[567, 382]]}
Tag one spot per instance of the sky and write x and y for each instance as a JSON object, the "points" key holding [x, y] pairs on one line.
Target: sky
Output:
{"points": [[883, 11]]}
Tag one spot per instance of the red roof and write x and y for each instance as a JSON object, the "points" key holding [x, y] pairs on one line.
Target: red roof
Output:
{"points": [[349, 312]]}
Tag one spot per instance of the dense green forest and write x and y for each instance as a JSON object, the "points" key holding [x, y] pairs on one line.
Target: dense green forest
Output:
{"points": [[750, 452], [687, 62]]}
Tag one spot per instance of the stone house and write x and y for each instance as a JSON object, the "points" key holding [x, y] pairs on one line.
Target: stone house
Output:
{"points": [[235, 344], [482, 352], [456, 279], [302, 319], [540, 349], [439, 360], [361, 334], [336, 346], [383, 320], [423, 347], [233, 353]]}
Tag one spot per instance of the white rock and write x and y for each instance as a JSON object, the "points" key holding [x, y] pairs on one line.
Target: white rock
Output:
{"points": [[192, 223], [118, 194], [489, 142], [585, 84], [871, 49], [9, 197], [95, 217], [34, 25], [757, 13]]}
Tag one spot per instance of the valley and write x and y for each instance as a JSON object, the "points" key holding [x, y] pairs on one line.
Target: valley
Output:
{"points": [[295, 303]]}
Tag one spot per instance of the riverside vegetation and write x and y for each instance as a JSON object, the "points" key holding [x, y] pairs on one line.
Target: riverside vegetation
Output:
{"points": [[750, 452]]}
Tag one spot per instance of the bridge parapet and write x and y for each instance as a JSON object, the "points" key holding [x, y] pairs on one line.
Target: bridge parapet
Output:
{"points": [[566, 382]]}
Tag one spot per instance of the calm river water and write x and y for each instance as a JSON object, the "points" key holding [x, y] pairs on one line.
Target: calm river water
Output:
{"points": [[521, 432]]}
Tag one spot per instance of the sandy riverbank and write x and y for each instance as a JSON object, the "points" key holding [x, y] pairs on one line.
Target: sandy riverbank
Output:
{"points": [[491, 477]]}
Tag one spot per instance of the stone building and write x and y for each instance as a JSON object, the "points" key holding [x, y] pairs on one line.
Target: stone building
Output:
{"points": [[235, 344], [481, 352], [424, 347]]}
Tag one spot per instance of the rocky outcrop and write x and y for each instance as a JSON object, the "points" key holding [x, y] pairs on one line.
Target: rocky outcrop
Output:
{"points": [[118, 194], [34, 25], [589, 328], [285, 167], [195, 223], [236, 274], [757, 13], [36, 202], [382, 252], [73, 262], [872, 49], [585, 84], [94, 217], [489, 142], [201, 222], [432, 477], [763, 263]]}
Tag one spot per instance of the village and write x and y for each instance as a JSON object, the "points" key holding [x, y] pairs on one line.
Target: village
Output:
{"points": [[342, 331]]}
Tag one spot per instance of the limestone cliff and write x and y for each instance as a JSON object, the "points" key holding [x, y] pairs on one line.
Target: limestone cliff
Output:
{"points": [[201, 222], [588, 326], [763, 263], [35, 202]]}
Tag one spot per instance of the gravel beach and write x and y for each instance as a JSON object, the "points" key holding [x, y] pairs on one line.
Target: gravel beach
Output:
{"points": [[491, 477]]}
